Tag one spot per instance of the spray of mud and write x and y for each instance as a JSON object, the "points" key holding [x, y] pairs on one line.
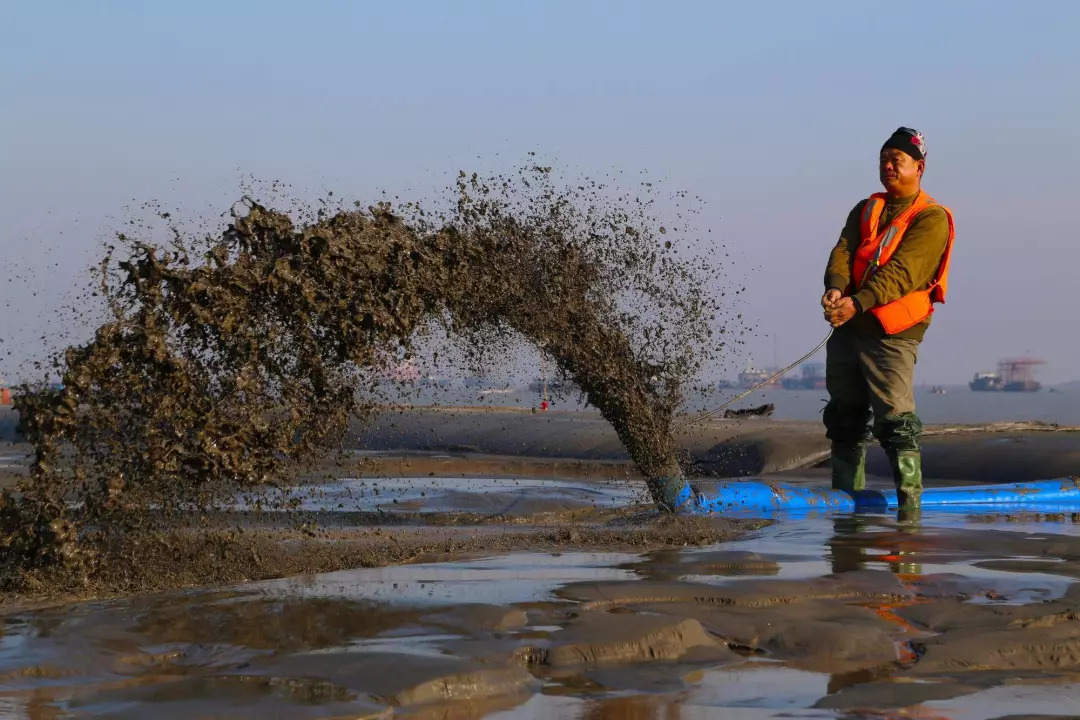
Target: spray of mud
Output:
{"points": [[228, 362]]}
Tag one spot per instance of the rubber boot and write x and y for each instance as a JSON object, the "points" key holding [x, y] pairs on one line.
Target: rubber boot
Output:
{"points": [[907, 474], [848, 467], [909, 517]]}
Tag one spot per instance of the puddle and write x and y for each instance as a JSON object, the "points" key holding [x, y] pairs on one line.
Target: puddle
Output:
{"points": [[812, 617], [513, 578], [1003, 701], [492, 497], [755, 686], [812, 547]]}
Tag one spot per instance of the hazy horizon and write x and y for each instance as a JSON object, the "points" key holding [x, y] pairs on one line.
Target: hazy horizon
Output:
{"points": [[772, 113]]}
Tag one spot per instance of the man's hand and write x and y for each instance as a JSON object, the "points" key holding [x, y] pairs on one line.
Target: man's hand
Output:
{"points": [[830, 298], [840, 311]]}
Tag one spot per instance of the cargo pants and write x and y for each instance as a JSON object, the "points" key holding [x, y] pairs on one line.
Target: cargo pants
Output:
{"points": [[873, 377]]}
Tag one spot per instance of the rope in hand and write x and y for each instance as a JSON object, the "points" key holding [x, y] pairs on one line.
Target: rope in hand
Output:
{"points": [[766, 381]]}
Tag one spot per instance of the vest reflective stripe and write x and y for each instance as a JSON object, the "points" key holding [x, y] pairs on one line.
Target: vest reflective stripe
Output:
{"points": [[867, 209], [874, 251], [885, 243], [871, 216]]}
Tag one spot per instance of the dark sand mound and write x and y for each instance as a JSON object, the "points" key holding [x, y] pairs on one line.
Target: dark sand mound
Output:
{"points": [[511, 442], [1012, 452], [595, 638]]}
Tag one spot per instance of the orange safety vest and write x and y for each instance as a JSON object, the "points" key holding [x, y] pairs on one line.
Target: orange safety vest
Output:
{"points": [[878, 245]]}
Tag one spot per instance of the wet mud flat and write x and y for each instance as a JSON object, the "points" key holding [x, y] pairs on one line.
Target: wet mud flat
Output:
{"points": [[820, 616], [509, 564], [359, 523], [458, 480]]}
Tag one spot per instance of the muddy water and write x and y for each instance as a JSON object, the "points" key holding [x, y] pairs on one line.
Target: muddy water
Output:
{"points": [[818, 617]]}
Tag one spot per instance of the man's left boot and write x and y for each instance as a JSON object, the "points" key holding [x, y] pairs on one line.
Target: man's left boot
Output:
{"points": [[906, 468]]}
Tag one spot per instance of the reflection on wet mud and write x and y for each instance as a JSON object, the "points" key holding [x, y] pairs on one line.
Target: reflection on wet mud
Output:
{"points": [[816, 617]]}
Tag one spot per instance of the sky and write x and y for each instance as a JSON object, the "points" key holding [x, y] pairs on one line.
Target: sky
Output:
{"points": [[772, 112]]}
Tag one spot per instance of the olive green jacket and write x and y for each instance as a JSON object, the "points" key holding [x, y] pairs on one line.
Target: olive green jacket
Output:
{"points": [[912, 267]]}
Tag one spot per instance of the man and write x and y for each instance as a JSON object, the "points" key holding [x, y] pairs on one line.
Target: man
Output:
{"points": [[889, 267]]}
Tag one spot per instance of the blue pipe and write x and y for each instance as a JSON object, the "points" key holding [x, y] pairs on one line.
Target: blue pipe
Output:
{"points": [[742, 497]]}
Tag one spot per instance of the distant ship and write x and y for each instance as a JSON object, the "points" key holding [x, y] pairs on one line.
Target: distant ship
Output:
{"points": [[1012, 376], [813, 378], [985, 381], [751, 377]]}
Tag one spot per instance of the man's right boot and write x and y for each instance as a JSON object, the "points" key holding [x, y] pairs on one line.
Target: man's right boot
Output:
{"points": [[907, 474], [848, 466]]}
